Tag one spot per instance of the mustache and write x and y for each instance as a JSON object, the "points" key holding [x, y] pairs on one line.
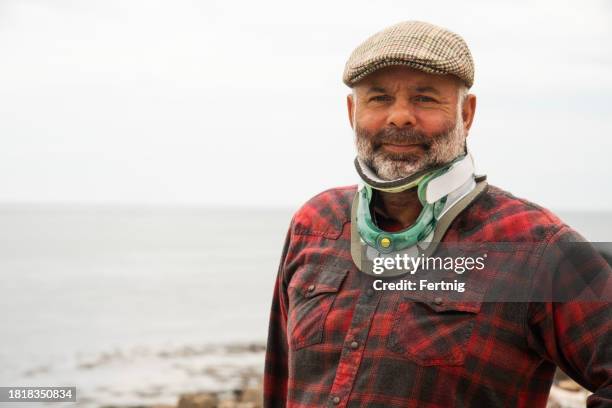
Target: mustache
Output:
{"points": [[397, 136]]}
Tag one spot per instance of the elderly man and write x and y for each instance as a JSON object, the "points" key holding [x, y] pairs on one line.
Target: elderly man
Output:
{"points": [[341, 334]]}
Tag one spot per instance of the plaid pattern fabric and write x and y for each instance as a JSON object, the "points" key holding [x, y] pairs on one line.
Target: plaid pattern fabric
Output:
{"points": [[416, 44], [335, 342]]}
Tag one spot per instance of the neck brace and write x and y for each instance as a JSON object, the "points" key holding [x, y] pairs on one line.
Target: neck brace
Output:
{"points": [[439, 190]]}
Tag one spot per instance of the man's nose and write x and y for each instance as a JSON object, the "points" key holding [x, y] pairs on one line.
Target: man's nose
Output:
{"points": [[401, 114]]}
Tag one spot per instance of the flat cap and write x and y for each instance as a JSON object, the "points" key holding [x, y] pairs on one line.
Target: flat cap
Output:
{"points": [[416, 44]]}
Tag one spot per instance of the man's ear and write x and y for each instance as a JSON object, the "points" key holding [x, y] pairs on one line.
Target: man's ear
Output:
{"points": [[468, 111], [349, 104]]}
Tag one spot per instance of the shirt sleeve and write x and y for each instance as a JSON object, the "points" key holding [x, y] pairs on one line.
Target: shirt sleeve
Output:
{"points": [[275, 371], [576, 334]]}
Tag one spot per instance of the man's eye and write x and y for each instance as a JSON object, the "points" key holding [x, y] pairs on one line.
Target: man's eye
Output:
{"points": [[423, 98], [380, 98]]}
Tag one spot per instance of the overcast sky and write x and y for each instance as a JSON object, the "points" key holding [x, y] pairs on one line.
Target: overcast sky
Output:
{"points": [[242, 103]]}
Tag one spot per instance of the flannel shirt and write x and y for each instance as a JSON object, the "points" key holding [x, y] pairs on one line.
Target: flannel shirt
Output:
{"points": [[335, 342]]}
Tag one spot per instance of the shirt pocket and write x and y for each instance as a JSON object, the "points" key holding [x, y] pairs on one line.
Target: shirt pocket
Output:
{"points": [[312, 292], [432, 331]]}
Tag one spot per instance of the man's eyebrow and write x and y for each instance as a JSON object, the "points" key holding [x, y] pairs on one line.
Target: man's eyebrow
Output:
{"points": [[376, 89], [426, 89]]}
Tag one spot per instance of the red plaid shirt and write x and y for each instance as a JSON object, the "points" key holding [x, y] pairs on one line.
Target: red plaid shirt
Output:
{"points": [[335, 342]]}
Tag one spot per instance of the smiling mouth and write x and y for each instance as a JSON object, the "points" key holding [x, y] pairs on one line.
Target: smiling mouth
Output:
{"points": [[402, 148]]}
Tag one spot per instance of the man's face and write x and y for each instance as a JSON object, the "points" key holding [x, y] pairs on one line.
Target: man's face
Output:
{"points": [[407, 120]]}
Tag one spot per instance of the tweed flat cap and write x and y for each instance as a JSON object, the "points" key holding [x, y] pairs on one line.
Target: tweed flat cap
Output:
{"points": [[416, 44]]}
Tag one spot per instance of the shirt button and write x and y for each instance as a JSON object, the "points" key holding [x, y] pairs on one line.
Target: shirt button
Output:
{"points": [[336, 400], [311, 288], [354, 345], [438, 301]]}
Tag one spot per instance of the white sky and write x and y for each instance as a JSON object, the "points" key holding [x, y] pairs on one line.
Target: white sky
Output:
{"points": [[242, 103]]}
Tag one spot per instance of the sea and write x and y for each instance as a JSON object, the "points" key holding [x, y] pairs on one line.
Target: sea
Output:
{"points": [[136, 305]]}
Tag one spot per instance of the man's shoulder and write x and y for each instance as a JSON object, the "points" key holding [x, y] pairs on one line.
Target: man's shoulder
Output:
{"points": [[326, 213], [498, 215]]}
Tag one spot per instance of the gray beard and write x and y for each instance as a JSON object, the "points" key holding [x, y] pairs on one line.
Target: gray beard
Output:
{"points": [[440, 148]]}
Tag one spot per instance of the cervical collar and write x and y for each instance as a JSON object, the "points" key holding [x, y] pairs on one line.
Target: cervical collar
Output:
{"points": [[444, 191], [438, 189]]}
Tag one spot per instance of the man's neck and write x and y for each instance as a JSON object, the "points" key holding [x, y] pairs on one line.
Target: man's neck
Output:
{"points": [[397, 210]]}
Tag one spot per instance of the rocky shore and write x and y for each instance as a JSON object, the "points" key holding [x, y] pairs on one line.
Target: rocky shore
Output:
{"points": [[247, 397], [168, 375]]}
